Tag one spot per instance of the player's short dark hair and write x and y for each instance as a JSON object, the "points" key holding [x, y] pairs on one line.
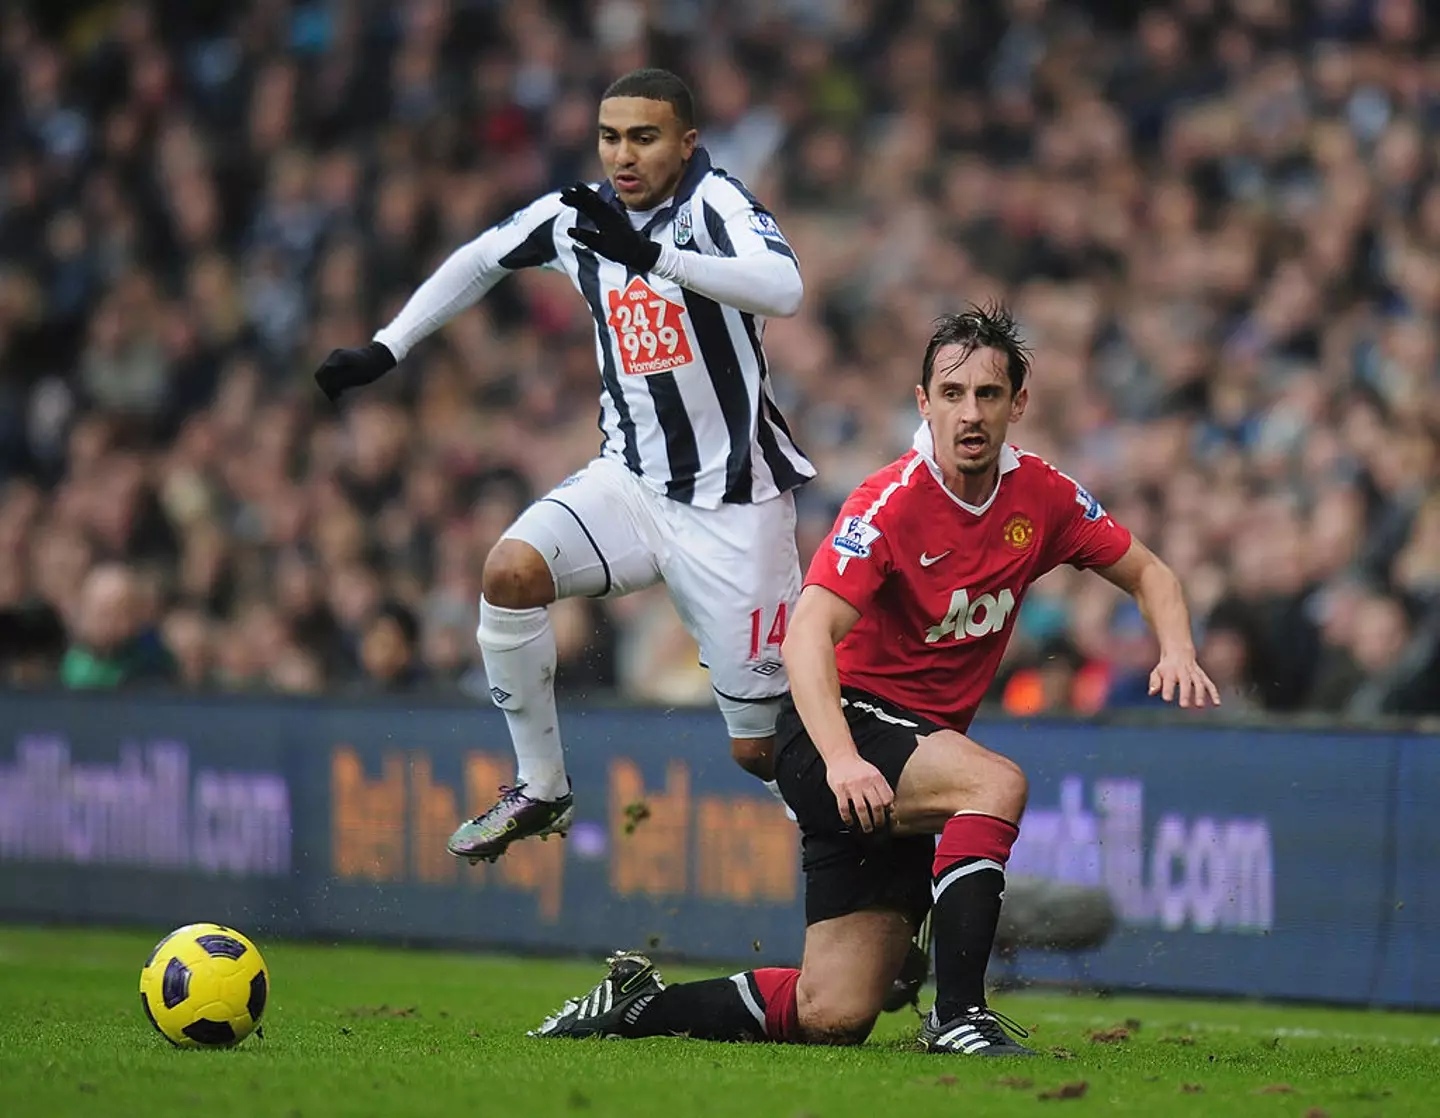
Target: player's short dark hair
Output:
{"points": [[989, 327], [657, 85]]}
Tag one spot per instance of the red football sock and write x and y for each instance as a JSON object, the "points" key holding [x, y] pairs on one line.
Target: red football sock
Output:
{"points": [[974, 836], [782, 1016]]}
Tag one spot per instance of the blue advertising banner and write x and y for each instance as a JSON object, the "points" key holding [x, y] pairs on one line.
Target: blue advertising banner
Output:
{"points": [[1411, 924], [324, 820], [1241, 861]]}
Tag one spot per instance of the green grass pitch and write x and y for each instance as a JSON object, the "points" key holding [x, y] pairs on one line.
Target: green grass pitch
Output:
{"points": [[368, 1031]]}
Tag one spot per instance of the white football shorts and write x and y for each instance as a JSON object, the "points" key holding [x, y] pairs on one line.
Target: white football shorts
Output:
{"points": [[733, 573]]}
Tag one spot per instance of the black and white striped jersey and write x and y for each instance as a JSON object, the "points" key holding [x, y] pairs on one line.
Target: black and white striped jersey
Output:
{"points": [[686, 400]]}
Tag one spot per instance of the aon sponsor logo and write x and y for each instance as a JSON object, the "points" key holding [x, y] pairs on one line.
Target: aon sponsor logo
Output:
{"points": [[977, 617]]}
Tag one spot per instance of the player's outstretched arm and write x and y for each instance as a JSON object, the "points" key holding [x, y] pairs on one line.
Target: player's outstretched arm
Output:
{"points": [[821, 620], [1146, 578], [523, 240]]}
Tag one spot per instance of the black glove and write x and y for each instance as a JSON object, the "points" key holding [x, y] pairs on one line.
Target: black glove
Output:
{"points": [[353, 368], [613, 237]]}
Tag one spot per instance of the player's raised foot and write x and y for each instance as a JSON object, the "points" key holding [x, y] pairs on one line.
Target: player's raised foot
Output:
{"points": [[514, 817], [979, 1031], [630, 985]]}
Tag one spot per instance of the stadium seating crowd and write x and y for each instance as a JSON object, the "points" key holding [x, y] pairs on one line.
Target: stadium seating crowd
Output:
{"points": [[1218, 222]]}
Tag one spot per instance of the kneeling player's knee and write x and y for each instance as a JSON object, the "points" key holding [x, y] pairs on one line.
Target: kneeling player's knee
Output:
{"points": [[833, 1016], [516, 576]]}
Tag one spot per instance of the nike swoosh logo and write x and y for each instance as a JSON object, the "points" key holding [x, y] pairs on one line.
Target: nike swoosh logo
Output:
{"points": [[931, 560]]}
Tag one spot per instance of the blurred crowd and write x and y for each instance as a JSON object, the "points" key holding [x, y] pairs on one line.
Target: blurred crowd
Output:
{"points": [[1218, 222]]}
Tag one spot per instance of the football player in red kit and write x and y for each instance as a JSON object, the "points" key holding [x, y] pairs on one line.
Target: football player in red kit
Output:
{"points": [[897, 636]]}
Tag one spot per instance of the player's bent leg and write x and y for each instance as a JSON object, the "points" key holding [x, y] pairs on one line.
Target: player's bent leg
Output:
{"points": [[844, 872], [733, 574], [973, 798], [849, 965], [949, 773], [835, 998], [751, 723], [632, 1001], [755, 755], [518, 647], [587, 543], [516, 576]]}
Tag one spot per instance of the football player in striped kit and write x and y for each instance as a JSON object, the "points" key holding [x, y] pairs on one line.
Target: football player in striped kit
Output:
{"points": [[680, 266]]}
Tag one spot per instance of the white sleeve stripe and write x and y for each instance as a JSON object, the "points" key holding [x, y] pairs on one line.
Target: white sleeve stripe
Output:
{"points": [[885, 494]]}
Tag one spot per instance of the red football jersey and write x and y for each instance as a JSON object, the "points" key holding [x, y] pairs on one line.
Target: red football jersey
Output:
{"points": [[939, 582]]}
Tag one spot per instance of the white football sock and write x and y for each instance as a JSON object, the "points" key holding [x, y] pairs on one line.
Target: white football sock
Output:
{"points": [[774, 787], [518, 646]]}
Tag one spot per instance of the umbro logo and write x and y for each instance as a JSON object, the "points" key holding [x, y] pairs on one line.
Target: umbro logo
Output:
{"points": [[498, 695], [931, 560], [766, 667]]}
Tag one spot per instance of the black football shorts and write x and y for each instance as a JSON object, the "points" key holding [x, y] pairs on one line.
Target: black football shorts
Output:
{"points": [[847, 870]]}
